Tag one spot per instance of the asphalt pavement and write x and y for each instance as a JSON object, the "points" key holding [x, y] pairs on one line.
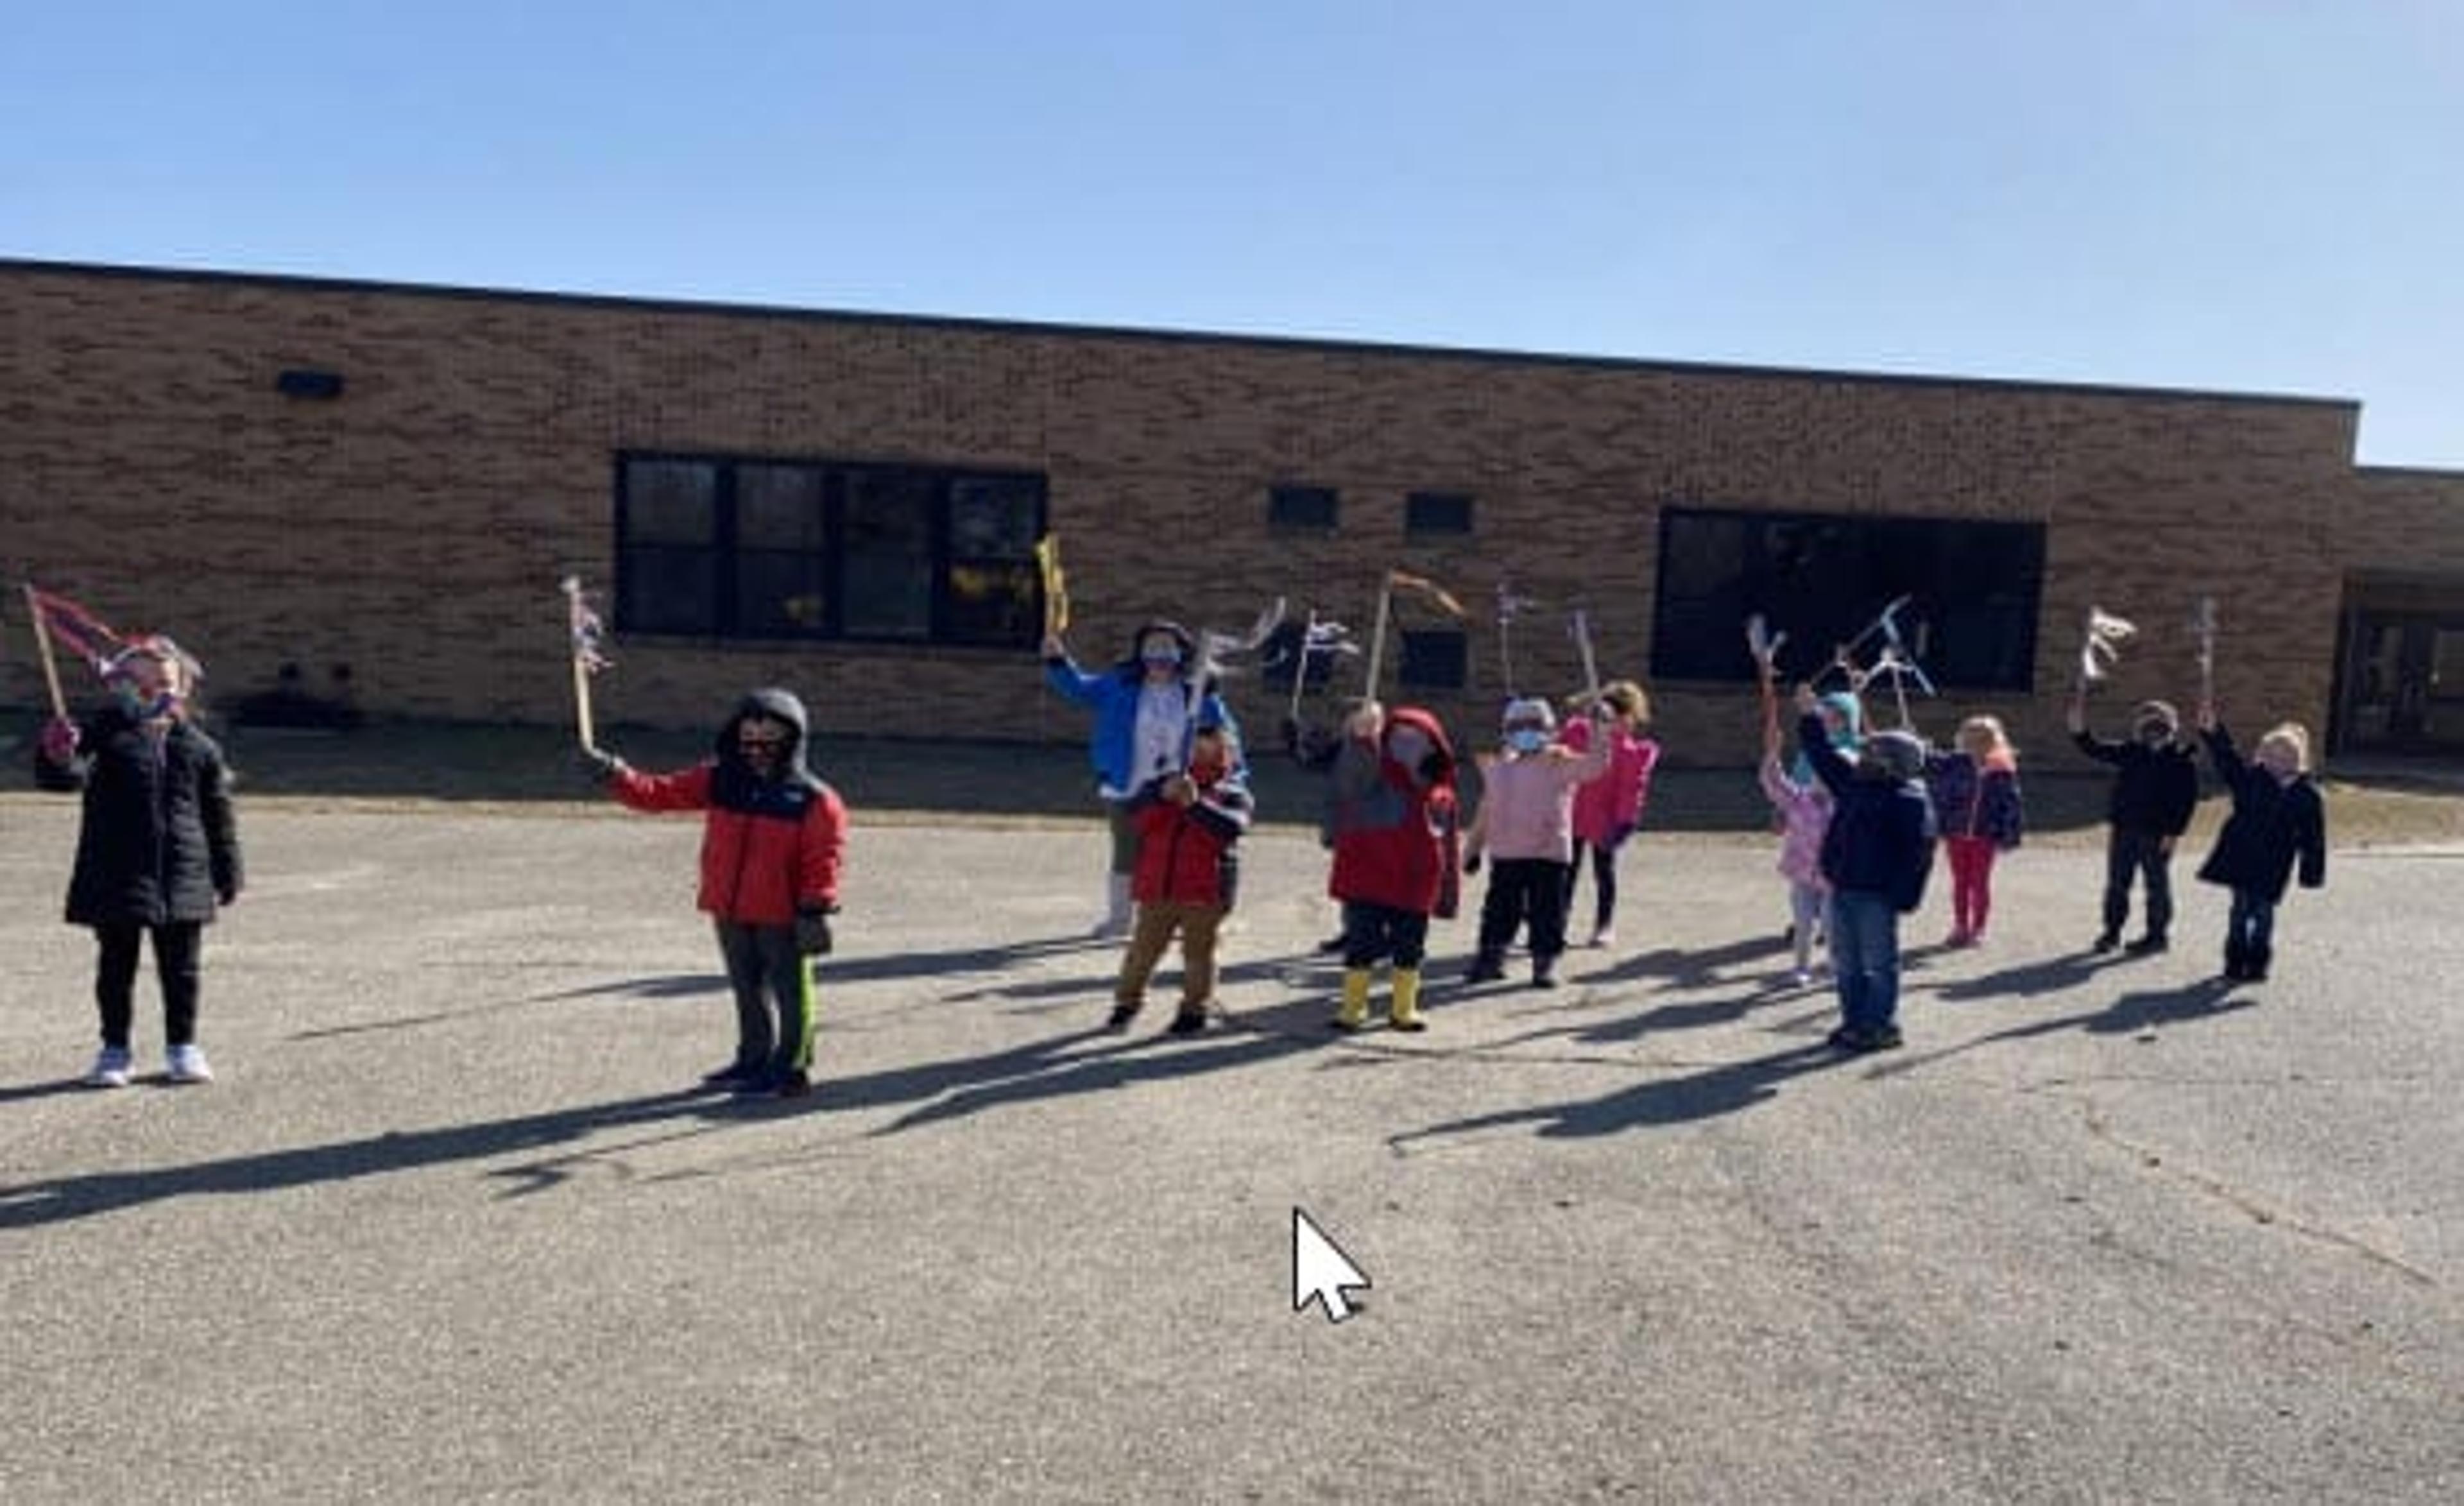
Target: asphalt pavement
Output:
{"points": [[454, 1224]]}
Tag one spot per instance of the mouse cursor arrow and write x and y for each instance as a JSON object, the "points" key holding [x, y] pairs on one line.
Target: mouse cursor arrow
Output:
{"points": [[1321, 1271]]}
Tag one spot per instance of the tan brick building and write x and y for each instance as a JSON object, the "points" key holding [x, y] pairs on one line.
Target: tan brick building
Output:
{"points": [[313, 473]]}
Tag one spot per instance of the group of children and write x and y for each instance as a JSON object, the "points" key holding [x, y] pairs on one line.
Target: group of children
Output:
{"points": [[1859, 812]]}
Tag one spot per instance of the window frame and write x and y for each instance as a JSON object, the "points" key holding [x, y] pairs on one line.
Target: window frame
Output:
{"points": [[1418, 523], [723, 619], [2014, 604], [1280, 494]]}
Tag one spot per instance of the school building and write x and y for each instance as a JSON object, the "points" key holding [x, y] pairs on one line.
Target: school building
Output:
{"points": [[365, 492]]}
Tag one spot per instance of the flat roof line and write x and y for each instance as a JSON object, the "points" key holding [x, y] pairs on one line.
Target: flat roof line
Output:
{"points": [[303, 282]]}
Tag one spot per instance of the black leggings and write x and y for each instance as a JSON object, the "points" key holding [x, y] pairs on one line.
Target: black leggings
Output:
{"points": [[176, 948], [1603, 882]]}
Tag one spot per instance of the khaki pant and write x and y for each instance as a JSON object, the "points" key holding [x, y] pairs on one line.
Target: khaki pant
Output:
{"points": [[1157, 924]]}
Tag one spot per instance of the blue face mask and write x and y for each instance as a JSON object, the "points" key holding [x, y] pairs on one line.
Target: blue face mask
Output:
{"points": [[1526, 740]]}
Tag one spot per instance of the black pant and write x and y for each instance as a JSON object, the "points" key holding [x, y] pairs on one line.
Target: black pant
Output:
{"points": [[2145, 854], [176, 947], [1603, 883], [1374, 932], [1519, 888], [773, 1006]]}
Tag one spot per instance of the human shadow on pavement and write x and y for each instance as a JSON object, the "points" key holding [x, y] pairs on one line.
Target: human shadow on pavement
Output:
{"points": [[1683, 968], [2029, 979], [61, 1199], [668, 986], [1041, 1070], [1725, 1089], [677, 986], [56, 1088], [2206, 999]]}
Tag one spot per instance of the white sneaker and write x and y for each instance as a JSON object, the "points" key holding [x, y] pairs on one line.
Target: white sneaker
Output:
{"points": [[1802, 978], [110, 1069], [1605, 936], [187, 1064]]}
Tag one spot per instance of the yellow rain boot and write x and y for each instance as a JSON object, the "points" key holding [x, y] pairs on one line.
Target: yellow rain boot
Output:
{"points": [[1406, 1012], [1354, 1011]]}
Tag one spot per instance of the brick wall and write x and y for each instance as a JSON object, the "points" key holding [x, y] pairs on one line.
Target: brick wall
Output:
{"points": [[415, 528]]}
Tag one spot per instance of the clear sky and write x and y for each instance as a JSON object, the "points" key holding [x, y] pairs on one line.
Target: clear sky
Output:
{"points": [[2248, 195]]}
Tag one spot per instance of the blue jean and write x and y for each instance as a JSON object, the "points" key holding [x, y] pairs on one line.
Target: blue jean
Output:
{"points": [[2250, 928], [1865, 957]]}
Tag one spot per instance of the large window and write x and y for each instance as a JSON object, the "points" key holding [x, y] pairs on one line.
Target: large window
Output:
{"points": [[1970, 620], [739, 548]]}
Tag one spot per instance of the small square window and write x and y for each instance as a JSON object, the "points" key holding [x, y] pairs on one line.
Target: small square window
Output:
{"points": [[1310, 508], [1437, 659], [1437, 512]]}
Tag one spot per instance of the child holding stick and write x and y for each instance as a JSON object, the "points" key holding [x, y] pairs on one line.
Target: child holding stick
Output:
{"points": [[158, 848], [773, 840], [2277, 822]]}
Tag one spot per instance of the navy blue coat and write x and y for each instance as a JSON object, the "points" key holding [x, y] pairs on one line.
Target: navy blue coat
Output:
{"points": [[158, 843], [1881, 832], [2272, 826]]}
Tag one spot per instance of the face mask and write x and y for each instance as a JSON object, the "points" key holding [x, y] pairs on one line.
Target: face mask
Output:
{"points": [[1526, 740], [1159, 656], [1408, 746], [2155, 734]]}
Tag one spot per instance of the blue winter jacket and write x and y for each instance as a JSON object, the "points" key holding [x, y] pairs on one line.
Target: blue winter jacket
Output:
{"points": [[1881, 832], [1114, 695]]}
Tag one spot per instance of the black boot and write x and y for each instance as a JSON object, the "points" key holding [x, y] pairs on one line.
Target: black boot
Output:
{"points": [[1486, 967], [2254, 963], [2236, 959]]}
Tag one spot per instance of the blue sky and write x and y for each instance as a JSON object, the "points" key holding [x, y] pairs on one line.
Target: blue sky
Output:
{"points": [[2245, 194]]}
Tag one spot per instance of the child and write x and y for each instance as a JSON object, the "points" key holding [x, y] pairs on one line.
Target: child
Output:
{"points": [[2154, 792], [771, 847], [1804, 809], [1396, 837], [2278, 820], [1186, 879], [1843, 724], [1975, 790], [1142, 708], [1608, 809], [157, 848], [1526, 818], [1877, 854]]}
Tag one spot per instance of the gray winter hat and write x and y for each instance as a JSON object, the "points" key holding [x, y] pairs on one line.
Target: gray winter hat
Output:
{"points": [[1900, 754]]}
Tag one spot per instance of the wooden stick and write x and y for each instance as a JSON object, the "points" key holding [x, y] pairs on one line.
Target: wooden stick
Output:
{"points": [[43, 646], [583, 725], [1300, 671], [1378, 637]]}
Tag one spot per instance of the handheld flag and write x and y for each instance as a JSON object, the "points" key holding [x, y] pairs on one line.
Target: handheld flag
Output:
{"points": [[2101, 647], [60, 620], [1056, 584], [589, 656]]}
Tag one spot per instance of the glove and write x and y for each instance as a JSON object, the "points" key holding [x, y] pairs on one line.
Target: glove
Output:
{"points": [[813, 933], [1471, 864], [599, 765], [58, 742], [227, 893]]}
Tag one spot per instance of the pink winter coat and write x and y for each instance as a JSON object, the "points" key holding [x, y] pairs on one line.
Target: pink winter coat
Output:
{"points": [[1526, 804], [1805, 815], [1611, 806]]}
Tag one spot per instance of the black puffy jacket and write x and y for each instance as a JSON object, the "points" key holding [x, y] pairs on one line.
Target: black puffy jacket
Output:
{"points": [[158, 843]]}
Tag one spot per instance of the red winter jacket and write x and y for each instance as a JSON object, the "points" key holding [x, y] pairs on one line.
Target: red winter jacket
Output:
{"points": [[769, 847], [1185, 852], [1397, 837]]}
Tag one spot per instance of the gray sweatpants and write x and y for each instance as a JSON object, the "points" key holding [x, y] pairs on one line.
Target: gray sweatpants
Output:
{"points": [[774, 996]]}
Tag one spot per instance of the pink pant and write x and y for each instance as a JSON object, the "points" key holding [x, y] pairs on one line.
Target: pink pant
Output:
{"points": [[1971, 881]]}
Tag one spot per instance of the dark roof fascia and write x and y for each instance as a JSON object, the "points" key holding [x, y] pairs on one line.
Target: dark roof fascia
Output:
{"points": [[305, 283]]}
